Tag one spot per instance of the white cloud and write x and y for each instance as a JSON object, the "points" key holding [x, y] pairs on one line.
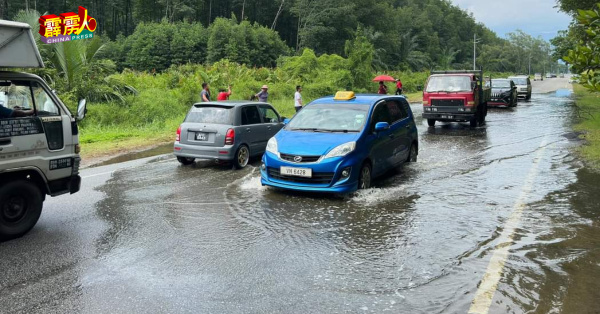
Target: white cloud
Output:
{"points": [[536, 17]]}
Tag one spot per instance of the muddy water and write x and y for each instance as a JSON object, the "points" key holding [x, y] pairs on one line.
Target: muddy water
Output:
{"points": [[206, 239]]}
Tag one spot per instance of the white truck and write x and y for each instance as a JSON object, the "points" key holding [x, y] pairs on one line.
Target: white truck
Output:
{"points": [[39, 143]]}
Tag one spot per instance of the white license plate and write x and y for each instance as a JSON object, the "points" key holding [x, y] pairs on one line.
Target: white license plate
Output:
{"points": [[296, 172], [447, 117], [201, 137]]}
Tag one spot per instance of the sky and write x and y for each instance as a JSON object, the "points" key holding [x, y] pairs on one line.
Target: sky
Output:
{"points": [[535, 17]]}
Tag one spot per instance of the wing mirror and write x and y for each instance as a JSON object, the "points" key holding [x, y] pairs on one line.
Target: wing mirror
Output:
{"points": [[473, 84], [286, 120], [381, 126], [81, 109]]}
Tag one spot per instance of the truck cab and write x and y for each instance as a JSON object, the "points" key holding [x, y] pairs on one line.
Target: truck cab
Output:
{"points": [[459, 96], [39, 142]]}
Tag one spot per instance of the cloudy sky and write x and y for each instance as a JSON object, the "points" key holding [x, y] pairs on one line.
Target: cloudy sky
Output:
{"points": [[536, 17]]}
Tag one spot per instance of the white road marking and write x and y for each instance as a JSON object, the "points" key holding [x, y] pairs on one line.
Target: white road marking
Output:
{"points": [[489, 284]]}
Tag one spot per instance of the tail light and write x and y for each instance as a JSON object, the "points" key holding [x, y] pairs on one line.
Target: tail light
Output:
{"points": [[230, 137], [178, 136]]}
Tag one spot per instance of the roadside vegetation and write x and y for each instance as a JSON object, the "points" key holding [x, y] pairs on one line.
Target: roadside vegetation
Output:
{"points": [[588, 112]]}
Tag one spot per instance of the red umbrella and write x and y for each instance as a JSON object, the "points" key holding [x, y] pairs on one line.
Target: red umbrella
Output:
{"points": [[384, 78]]}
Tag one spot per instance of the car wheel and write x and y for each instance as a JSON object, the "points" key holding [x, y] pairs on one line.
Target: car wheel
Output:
{"points": [[186, 161], [364, 181], [242, 156], [20, 208], [528, 97], [431, 122], [412, 154]]}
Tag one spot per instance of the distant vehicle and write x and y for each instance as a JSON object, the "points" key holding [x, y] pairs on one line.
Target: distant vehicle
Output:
{"points": [[504, 93], [459, 96], [39, 137], [523, 85], [562, 75], [226, 131], [538, 77], [548, 75], [339, 144], [553, 75]]}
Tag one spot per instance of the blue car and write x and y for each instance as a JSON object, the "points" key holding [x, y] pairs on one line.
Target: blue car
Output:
{"points": [[339, 144]]}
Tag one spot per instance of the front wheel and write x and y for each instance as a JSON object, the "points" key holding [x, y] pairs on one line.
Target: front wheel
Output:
{"points": [[431, 122], [185, 160], [242, 156], [364, 181], [528, 97], [20, 208]]}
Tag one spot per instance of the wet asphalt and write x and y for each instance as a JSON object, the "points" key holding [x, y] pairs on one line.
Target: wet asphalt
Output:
{"points": [[151, 236]]}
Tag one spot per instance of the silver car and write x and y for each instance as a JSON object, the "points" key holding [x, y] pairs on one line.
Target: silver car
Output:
{"points": [[226, 131]]}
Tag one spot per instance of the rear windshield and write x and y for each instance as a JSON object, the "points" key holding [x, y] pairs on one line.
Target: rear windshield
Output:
{"points": [[519, 80], [449, 83], [212, 115], [500, 83]]}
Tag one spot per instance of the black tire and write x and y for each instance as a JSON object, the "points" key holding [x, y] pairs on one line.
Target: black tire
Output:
{"points": [[242, 157], [20, 208], [412, 153], [186, 161], [431, 122], [365, 176], [473, 122], [528, 97]]}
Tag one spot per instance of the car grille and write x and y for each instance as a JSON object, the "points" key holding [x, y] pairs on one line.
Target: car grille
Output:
{"points": [[447, 102], [317, 177], [288, 157]]}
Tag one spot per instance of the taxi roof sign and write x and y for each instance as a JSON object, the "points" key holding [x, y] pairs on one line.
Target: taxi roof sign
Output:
{"points": [[344, 95]]}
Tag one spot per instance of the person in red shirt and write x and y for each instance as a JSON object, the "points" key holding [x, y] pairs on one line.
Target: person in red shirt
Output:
{"points": [[398, 87], [382, 89], [224, 95]]}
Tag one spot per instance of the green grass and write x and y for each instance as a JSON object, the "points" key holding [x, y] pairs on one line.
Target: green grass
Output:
{"points": [[588, 107]]}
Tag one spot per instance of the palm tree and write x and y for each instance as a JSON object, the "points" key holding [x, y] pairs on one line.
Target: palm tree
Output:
{"points": [[448, 57], [409, 53]]}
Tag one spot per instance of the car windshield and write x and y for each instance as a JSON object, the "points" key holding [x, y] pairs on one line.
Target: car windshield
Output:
{"points": [[330, 118], [208, 114], [449, 83], [519, 80], [500, 84]]}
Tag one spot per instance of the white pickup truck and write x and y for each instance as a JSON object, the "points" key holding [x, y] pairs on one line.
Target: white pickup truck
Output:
{"points": [[39, 142]]}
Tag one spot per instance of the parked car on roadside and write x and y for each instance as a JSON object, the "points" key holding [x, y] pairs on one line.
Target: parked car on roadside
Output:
{"points": [[523, 85], [504, 93], [226, 131], [548, 75], [538, 77], [339, 144]]}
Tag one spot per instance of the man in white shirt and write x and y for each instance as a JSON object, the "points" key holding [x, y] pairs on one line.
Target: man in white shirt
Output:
{"points": [[298, 98]]}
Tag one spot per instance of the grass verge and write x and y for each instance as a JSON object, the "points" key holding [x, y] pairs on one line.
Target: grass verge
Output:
{"points": [[588, 109]]}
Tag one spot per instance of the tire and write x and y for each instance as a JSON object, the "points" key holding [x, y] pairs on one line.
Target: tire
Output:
{"points": [[431, 122], [473, 122], [241, 158], [528, 97], [412, 153], [186, 161], [365, 176], [20, 208]]}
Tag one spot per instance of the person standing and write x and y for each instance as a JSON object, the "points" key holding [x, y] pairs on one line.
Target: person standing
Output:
{"points": [[263, 95], [398, 87], [383, 90], [224, 95], [298, 98], [205, 93]]}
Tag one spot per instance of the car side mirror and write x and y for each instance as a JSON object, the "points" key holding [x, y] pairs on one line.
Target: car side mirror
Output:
{"points": [[473, 85], [282, 119], [81, 109], [381, 126], [286, 120]]}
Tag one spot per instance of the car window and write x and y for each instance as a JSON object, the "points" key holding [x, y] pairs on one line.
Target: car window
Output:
{"points": [[43, 102], [250, 115], [16, 94], [268, 115], [380, 114], [397, 112], [209, 114]]}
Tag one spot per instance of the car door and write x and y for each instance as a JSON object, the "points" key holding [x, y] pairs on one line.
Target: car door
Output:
{"points": [[401, 129], [272, 122], [381, 149], [252, 131]]}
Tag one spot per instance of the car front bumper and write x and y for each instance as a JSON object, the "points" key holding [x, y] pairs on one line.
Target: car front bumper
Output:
{"points": [[204, 152]]}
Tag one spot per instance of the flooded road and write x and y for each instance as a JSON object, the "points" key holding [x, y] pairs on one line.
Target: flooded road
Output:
{"points": [[502, 218]]}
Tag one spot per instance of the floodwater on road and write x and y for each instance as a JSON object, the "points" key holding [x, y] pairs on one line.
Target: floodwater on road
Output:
{"points": [[503, 214]]}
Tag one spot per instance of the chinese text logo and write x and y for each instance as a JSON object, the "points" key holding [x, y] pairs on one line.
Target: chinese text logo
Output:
{"points": [[67, 26]]}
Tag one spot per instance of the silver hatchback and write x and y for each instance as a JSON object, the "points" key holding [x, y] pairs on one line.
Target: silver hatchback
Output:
{"points": [[226, 131]]}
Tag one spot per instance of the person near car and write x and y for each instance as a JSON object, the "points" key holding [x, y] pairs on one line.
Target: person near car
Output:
{"points": [[6, 113], [205, 93], [298, 98], [398, 87], [263, 95], [224, 95], [382, 89]]}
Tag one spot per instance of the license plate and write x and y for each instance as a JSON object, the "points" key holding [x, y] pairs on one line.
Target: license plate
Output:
{"points": [[447, 117], [201, 137], [296, 172]]}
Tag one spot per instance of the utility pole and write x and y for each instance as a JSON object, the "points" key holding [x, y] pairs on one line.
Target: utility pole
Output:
{"points": [[475, 42]]}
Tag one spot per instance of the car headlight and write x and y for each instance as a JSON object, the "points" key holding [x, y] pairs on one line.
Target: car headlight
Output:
{"points": [[342, 150], [272, 146]]}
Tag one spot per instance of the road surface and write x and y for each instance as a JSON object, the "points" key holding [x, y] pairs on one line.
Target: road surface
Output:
{"points": [[498, 219]]}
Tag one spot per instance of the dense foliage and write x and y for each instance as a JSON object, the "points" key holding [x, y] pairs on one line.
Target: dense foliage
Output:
{"points": [[585, 56]]}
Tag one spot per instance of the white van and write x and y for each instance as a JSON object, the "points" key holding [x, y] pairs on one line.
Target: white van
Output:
{"points": [[39, 143]]}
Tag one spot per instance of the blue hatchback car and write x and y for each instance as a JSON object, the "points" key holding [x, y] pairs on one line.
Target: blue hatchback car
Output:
{"points": [[339, 144]]}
